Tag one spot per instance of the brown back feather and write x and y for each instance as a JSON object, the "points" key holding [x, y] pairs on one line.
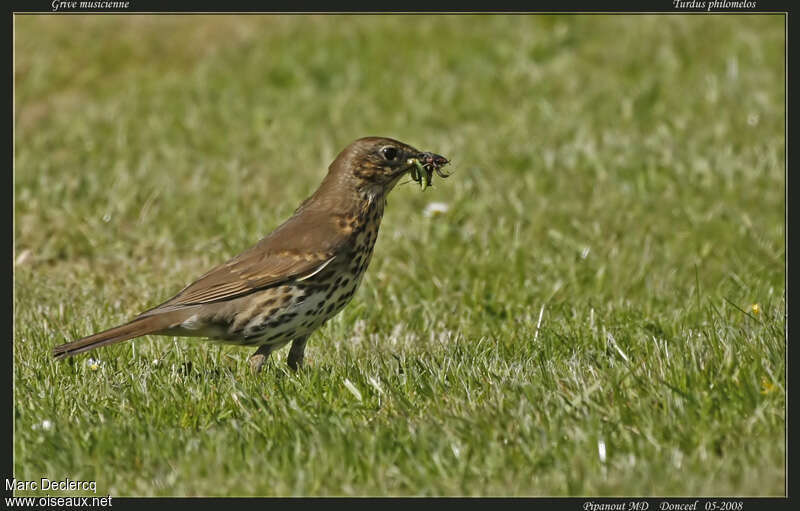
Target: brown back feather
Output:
{"points": [[296, 249]]}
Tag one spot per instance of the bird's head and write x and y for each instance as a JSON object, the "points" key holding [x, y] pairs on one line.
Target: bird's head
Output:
{"points": [[375, 164]]}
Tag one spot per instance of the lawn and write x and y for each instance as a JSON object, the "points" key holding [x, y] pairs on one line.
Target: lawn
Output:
{"points": [[599, 311]]}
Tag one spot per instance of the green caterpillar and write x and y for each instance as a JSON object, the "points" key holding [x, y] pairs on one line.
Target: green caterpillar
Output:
{"points": [[423, 173]]}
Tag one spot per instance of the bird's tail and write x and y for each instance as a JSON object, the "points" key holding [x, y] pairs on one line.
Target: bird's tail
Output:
{"points": [[136, 328]]}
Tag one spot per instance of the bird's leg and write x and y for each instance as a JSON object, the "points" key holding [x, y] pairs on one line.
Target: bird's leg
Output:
{"points": [[258, 358], [296, 352]]}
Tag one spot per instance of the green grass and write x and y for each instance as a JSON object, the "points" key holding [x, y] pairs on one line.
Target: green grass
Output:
{"points": [[622, 176]]}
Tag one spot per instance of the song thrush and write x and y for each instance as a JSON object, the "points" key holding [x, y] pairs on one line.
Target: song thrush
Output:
{"points": [[296, 278]]}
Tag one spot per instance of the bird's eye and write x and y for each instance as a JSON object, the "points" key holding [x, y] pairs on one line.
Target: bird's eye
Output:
{"points": [[390, 153]]}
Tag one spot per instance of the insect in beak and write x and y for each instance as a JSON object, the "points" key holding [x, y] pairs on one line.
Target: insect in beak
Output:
{"points": [[423, 167]]}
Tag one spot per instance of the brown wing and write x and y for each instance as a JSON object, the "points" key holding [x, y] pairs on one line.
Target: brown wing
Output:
{"points": [[299, 248]]}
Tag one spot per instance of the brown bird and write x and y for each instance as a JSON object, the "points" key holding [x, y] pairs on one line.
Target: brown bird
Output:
{"points": [[296, 278]]}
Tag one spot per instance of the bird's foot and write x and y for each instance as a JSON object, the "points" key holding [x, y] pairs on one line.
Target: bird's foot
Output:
{"points": [[257, 361], [295, 364], [259, 358], [297, 353]]}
